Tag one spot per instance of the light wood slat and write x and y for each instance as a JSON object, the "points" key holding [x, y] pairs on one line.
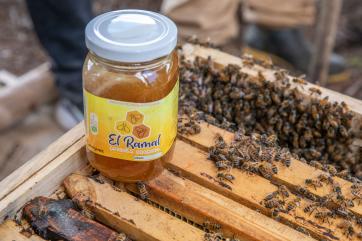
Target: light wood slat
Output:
{"points": [[136, 218], [35, 88], [45, 181], [200, 204], [191, 51], [34, 165], [292, 177], [247, 189], [9, 231]]}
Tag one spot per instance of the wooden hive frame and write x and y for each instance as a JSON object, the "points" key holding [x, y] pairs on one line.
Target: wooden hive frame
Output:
{"points": [[189, 192]]}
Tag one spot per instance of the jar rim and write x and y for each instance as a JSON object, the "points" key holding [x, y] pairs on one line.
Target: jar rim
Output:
{"points": [[131, 36]]}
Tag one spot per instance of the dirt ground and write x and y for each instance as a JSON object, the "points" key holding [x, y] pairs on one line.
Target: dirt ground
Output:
{"points": [[39, 129]]}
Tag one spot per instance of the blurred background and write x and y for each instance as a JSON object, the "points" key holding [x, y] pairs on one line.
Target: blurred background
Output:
{"points": [[286, 33]]}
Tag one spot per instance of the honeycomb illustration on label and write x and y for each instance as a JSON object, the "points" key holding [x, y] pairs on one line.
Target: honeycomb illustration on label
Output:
{"points": [[134, 117], [124, 127], [141, 131]]}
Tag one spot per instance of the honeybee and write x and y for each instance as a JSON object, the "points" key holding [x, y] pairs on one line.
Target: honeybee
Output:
{"points": [[331, 169], [142, 190], [316, 164], [292, 205], [313, 183], [223, 164], [213, 236], [273, 203], [343, 131], [315, 90], [305, 193], [356, 195], [287, 162], [347, 228], [122, 237], [275, 213], [324, 216], [225, 176], [274, 169], [283, 191], [337, 189], [310, 208], [271, 196], [300, 80], [210, 226], [236, 161], [88, 213], [344, 213], [219, 141], [266, 154], [224, 185], [269, 141], [250, 167], [266, 170], [302, 230], [326, 178]]}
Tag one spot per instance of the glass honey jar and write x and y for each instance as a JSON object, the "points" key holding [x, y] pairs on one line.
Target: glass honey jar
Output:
{"points": [[130, 87]]}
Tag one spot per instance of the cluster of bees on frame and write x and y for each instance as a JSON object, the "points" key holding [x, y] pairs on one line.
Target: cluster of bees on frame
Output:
{"points": [[274, 122], [314, 129], [257, 155]]}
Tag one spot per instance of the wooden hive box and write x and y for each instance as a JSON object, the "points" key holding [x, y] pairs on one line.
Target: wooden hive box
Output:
{"points": [[184, 196]]}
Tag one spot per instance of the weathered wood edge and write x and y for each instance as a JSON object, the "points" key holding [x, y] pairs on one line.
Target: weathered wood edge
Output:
{"points": [[199, 204], [39, 161], [35, 88], [46, 180]]}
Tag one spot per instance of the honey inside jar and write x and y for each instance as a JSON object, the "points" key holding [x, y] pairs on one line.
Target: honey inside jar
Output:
{"points": [[131, 104]]}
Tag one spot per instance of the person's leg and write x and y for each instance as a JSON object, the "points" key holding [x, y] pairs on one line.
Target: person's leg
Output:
{"points": [[60, 28], [274, 28]]}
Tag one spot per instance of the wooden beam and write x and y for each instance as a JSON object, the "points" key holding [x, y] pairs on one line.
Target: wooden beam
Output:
{"points": [[292, 177], [325, 36], [45, 181], [125, 213], [249, 190], [35, 88], [200, 205], [10, 231], [34, 165]]}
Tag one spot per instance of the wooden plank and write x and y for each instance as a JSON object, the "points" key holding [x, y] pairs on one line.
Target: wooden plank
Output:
{"points": [[200, 204], [35, 88], [191, 51], [8, 184], [292, 177], [31, 136], [7, 78], [45, 181], [9, 231], [325, 37], [249, 190], [125, 213]]}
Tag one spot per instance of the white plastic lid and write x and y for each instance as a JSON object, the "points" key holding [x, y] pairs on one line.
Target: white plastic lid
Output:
{"points": [[131, 35]]}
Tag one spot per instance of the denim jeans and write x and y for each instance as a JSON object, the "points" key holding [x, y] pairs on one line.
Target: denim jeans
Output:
{"points": [[60, 28]]}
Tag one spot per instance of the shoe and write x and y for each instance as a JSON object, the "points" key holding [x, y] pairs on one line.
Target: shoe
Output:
{"points": [[67, 114], [288, 48]]}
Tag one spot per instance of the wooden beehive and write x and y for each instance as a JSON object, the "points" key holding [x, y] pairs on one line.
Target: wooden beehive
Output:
{"points": [[184, 196]]}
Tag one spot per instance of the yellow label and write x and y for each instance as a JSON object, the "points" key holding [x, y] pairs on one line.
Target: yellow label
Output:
{"points": [[131, 131]]}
